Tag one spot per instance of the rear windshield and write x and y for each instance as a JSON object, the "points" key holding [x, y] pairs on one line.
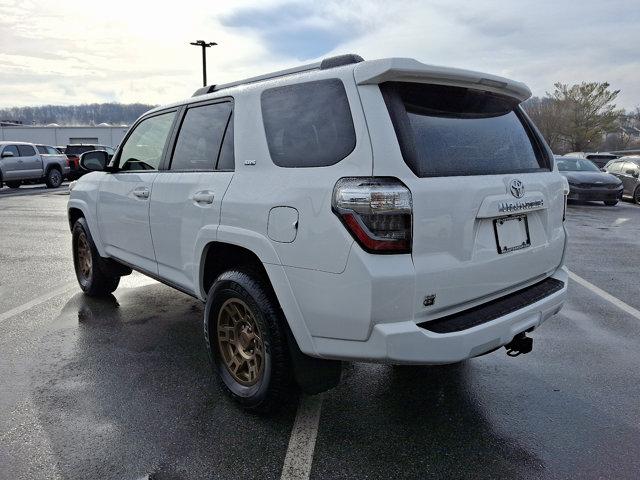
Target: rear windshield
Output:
{"points": [[575, 165], [447, 131], [78, 149]]}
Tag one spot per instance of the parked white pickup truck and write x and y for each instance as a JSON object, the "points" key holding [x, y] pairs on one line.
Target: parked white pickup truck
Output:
{"points": [[22, 162]]}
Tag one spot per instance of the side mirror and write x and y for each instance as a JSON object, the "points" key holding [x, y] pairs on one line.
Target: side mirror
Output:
{"points": [[7, 154], [636, 174], [94, 161]]}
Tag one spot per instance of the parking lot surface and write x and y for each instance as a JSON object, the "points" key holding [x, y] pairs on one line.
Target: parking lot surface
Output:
{"points": [[121, 387]]}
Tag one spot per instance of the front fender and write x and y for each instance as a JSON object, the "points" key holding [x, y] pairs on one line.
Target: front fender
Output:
{"points": [[90, 216]]}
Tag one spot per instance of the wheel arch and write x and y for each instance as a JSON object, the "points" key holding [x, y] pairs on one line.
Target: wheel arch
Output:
{"points": [[219, 255], [50, 166], [77, 208]]}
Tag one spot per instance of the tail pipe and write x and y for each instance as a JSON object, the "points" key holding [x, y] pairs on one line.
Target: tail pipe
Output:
{"points": [[520, 344]]}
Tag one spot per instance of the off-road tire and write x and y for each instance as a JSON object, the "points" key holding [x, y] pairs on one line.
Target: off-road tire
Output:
{"points": [[611, 203], [636, 195], [275, 385], [13, 183], [98, 280], [53, 178]]}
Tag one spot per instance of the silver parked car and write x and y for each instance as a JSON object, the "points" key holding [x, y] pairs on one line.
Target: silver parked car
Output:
{"points": [[22, 162], [627, 169]]}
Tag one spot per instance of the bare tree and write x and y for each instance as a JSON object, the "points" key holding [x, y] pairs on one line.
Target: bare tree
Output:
{"points": [[547, 116]]}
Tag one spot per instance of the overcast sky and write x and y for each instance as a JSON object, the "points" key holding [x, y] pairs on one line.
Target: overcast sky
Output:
{"points": [[69, 52]]}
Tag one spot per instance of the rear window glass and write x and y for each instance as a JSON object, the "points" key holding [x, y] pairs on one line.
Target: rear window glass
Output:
{"points": [[447, 131], [200, 137], [78, 149], [26, 150], [308, 124]]}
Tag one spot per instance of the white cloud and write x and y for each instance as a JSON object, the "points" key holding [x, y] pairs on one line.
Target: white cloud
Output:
{"points": [[84, 51]]}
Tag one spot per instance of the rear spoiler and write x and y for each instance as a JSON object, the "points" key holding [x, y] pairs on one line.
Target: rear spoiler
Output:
{"points": [[410, 70]]}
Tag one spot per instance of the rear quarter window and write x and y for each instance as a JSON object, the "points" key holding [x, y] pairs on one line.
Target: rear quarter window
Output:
{"points": [[454, 131], [308, 124]]}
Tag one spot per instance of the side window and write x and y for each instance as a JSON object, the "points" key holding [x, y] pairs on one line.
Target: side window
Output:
{"points": [[109, 150], [13, 149], [42, 149], [143, 149], [226, 161], [200, 137], [52, 151], [26, 150], [308, 124], [614, 167]]}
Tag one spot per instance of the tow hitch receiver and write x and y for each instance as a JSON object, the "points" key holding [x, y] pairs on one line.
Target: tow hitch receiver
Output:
{"points": [[520, 344]]}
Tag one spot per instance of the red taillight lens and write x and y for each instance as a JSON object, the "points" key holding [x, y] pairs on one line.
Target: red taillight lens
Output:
{"points": [[376, 211]]}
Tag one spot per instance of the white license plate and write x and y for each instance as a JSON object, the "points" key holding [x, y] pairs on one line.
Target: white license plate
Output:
{"points": [[512, 233]]}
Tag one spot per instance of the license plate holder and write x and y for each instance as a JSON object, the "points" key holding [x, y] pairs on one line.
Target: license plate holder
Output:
{"points": [[512, 233]]}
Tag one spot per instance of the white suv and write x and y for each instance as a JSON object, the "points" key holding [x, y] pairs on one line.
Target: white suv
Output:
{"points": [[383, 211]]}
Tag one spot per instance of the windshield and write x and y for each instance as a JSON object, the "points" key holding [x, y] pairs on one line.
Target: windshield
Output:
{"points": [[576, 165]]}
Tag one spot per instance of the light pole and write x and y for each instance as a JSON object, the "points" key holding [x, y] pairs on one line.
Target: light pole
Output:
{"points": [[204, 45]]}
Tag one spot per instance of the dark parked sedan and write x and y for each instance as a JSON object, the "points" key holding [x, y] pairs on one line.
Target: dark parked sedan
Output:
{"points": [[587, 182]]}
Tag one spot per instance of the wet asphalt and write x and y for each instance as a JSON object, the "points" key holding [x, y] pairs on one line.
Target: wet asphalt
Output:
{"points": [[121, 387]]}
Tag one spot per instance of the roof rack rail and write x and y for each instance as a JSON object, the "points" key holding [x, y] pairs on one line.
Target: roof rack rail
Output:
{"points": [[325, 64]]}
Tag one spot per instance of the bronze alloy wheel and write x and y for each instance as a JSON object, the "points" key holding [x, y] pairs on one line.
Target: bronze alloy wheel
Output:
{"points": [[240, 342], [84, 256]]}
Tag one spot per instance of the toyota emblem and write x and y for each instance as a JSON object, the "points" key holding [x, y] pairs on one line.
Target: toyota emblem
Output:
{"points": [[516, 187]]}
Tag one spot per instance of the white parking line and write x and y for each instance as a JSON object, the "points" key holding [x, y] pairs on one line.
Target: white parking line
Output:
{"points": [[607, 296], [36, 301], [297, 462]]}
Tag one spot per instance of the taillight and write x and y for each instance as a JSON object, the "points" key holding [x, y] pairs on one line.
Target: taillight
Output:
{"points": [[376, 211]]}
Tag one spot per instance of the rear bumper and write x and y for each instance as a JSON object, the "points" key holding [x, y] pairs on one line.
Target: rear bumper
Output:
{"points": [[406, 342], [595, 194]]}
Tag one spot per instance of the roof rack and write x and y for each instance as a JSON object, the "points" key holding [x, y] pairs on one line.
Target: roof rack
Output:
{"points": [[327, 63]]}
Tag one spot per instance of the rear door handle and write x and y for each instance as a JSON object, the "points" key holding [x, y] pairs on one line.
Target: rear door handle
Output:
{"points": [[141, 192], [204, 197]]}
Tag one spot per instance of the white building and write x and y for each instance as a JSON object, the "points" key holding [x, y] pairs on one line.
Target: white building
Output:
{"points": [[57, 135]]}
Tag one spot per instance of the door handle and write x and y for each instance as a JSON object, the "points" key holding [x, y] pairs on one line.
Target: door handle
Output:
{"points": [[141, 192], [205, 197]]}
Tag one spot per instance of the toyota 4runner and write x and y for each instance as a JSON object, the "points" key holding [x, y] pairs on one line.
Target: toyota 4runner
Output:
{"points": [[380, 211]]}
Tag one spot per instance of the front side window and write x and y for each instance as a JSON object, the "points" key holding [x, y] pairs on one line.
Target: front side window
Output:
{"points": [[308, 124], [26, 150], [42, 149], [11, 148], [200, 137], [448, 131], [144, 146]]}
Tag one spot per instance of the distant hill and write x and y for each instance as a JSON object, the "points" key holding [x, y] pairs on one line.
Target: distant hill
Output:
{"points": [[89, 114]]}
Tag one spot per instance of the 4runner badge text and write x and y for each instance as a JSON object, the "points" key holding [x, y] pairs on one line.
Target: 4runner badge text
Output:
{"points": [[519, 206]]}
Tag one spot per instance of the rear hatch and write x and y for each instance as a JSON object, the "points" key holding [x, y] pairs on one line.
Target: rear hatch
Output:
{"points": [[487, 205]]}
